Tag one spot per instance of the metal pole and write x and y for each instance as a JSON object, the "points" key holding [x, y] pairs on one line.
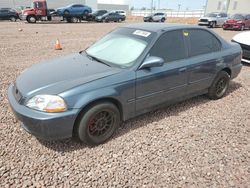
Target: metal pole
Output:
{"points": [[152, 4]]}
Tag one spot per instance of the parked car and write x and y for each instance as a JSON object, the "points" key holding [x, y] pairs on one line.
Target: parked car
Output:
{"points": [[156, 17], [132, 70], [74, 9], [121, 12], [238, 22], [110, 17], [244, 40], [213, 19], [8, 14], [93, 16]]}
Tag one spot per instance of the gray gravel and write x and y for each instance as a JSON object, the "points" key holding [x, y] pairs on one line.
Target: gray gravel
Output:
{"points": [[199, 142]]}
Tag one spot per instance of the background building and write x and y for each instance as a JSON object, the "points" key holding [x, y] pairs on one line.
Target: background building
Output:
{"points": [[228, 6], [95, 4]]}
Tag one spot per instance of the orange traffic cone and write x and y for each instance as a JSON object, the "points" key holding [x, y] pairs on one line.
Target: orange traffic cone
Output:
{"points": [[58, 45]]}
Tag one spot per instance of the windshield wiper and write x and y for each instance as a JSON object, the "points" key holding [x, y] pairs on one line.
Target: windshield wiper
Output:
{"points": [[97, 59]]}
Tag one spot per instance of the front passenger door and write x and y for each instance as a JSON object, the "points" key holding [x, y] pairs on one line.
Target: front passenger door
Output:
{"points": [[158, 85]]}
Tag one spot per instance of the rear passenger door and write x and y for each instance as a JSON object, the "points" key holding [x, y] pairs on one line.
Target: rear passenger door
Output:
{"points": [[204, 57], [159, 85]]}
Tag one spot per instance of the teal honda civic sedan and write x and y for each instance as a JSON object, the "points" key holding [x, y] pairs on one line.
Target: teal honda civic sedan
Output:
{"points": [[130, 71]]}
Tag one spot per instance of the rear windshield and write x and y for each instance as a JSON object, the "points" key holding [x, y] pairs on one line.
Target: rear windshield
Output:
{"points": [[237, 17]]}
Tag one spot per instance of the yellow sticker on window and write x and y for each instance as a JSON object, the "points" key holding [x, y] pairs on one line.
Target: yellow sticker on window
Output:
{"points": [[185, 34]]}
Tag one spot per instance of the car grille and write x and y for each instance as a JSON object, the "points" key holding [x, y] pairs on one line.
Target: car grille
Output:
{"points": [[203, 20], [17, 94]]}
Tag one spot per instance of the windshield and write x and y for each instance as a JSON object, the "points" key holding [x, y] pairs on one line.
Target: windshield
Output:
{"points": [[211, 15], [119, 49], [237, 17]]}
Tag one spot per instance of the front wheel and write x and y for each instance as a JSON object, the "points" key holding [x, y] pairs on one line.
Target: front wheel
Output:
{"points": [[219, 86], [97, 124], [31, 19], [74, 20], [163, 20], [212, 24], [12, 18], [242, 28]]}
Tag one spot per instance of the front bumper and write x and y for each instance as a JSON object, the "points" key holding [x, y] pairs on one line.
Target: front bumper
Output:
{"points": [[47, 126], [231, 26], [204, 23], [23, 17]]}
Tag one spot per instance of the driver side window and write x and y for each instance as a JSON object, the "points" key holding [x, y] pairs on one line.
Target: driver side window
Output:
{"points": [[170, 46]]}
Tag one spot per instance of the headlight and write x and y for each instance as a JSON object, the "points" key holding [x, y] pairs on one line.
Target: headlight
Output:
{"points": [[47, 103]]}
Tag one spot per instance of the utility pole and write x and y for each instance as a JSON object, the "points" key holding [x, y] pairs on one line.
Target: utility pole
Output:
{"points": [[227, 8], [152, 4], [179, 7]]}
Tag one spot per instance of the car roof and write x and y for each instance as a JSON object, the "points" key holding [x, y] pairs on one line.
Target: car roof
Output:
{"points": [[158, 27]]}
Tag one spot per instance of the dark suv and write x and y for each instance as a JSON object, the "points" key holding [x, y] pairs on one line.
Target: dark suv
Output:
{"points": [[8, 14], [238, 22]]}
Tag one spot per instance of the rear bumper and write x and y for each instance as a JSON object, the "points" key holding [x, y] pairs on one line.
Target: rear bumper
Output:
{"points": [[47, 126], [236, 70]]}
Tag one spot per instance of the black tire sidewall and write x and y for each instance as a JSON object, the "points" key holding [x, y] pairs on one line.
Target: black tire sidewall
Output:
{"points": [[212, 90], [82, 126]]}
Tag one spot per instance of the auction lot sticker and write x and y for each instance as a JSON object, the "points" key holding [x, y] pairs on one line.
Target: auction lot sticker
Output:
{"points": [[142, 33]]}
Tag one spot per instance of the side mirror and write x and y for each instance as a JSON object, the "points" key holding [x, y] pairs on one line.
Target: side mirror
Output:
{"points": [[152, 61]]}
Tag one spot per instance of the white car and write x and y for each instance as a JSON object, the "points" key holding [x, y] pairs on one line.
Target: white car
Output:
{"points": [[244, 40], [121, 12]]}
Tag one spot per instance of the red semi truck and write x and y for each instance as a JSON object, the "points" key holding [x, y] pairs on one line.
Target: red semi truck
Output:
{"points": [[40, 12]]}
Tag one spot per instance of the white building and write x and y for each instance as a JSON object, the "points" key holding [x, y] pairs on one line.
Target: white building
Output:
{"points": [[95, 4]]}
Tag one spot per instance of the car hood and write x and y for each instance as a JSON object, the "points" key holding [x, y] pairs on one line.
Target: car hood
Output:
{"points": [[56, 76], [208, 18], [243, 38]]}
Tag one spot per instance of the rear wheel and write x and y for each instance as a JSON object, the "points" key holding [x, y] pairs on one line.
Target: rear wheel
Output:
{"points": [[31, 19], [13, 18], [219, 86], [163, 20], [98, 123]]}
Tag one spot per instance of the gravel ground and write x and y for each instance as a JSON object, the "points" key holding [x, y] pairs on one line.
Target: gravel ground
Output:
{"points": [[199, 142]]}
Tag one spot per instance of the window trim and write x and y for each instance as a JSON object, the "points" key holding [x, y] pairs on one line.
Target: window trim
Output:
{"points": [[189, 43]]}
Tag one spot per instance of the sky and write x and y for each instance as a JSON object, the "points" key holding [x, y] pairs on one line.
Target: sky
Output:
{"points": [[170, 4]]}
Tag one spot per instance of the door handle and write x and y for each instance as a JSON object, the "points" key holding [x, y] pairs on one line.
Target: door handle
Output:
{"points": [[183, 69]]}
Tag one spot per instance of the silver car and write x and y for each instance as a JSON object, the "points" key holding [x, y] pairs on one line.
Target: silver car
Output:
{"points": [[213, 19], [156, 17]]}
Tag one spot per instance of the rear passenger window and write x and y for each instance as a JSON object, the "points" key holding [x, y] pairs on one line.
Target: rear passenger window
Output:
{"points": [[170, 46], [202, 42]]}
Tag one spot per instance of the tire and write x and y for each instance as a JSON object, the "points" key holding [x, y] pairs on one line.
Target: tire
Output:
{"points": [[68, 20], [98, 123], [31, 19], [242, 28], [163, 20], [212, 24], [74, 20], [219, 86], [86, 12], [66, 13], [120, 20], [13, 18]]}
